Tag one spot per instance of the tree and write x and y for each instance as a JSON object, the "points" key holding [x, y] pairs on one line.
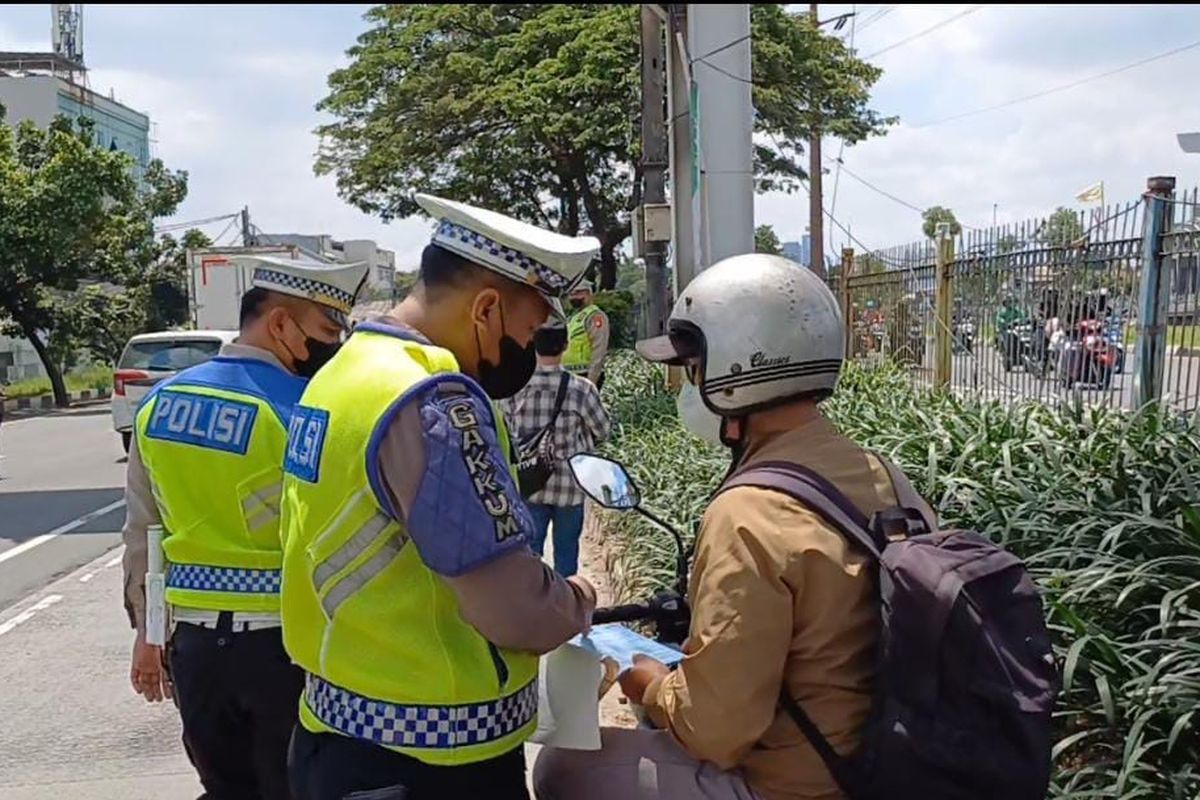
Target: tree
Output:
{"points": [[765, 241], [534, 110], [935, 216], [631, 278], [166, 292], [74, 221], [1062, 228]]}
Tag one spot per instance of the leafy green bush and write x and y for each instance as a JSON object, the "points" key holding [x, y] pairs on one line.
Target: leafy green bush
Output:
{"points": [[618, 305], [94, 378], [1104, 506]]}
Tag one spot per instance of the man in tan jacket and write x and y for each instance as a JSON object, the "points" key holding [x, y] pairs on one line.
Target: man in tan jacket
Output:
{"points": [[781, 601]]}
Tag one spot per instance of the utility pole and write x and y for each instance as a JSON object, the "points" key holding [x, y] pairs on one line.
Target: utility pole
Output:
{"points": [[685, 238], [816, 208], [655, 147], [247, 239]]}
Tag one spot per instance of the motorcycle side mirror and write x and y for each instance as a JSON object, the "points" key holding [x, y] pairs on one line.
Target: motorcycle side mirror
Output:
{"points": [[605, 481]]}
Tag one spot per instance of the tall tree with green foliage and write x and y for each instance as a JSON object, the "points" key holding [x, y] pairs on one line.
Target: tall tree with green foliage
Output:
{"points": [[74, 221], [936, 216], [1062, 228], [535, 110], [765, 241]]}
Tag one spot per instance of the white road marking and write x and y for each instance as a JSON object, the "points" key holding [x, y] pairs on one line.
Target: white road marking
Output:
{"points": [[28, 613], [60, 530], [112, 562]]}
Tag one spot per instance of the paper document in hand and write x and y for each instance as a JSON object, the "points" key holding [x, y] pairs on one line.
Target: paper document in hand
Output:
{"points": [[621, 644]]}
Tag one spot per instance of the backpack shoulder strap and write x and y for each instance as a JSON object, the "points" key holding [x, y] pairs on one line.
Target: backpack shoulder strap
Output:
{"points": [[814, 492], [907, 495], [563, 383]]}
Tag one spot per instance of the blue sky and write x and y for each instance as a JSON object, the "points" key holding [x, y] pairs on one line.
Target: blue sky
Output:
{"points": [[231, 91]]}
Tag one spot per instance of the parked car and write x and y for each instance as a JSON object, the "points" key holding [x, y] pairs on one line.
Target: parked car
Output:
{"points": [[153, 357]]}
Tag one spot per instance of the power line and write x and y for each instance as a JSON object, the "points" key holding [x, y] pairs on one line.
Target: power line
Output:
{"points": [[891, 196], [1061, 88], [925, 32], [837, 176], [878, 15], [725, 72], [174, 226], [721, 49]]}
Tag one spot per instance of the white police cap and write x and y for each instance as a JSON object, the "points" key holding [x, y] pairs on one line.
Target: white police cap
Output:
{"points": [[550, 262], [333, 286]]}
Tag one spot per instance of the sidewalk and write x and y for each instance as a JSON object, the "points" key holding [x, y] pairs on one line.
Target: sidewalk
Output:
{"points": [[73, 726]]}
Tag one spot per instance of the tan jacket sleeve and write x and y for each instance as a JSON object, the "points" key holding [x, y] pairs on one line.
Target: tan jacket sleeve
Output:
{"points": [[140, 513], [515, 601], [723, 695]]}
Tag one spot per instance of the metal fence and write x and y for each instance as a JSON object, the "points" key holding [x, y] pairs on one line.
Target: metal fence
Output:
{"points": [[1049, 309]]}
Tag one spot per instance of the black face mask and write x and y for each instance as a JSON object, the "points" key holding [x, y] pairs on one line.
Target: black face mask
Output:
{"points": [[576, 303], [514, 370], [319, 354]]}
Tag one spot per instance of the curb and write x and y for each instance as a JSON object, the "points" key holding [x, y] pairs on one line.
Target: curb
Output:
{"points": [[45, 402]]}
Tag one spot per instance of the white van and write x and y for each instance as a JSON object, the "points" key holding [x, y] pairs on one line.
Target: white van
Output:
{"points": [[152, 357]]}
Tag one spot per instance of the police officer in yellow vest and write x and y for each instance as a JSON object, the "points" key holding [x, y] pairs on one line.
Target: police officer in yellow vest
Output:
{"points": [[587, 336], [206, 463], [411, 597]]}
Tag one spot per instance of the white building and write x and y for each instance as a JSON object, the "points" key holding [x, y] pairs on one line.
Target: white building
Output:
{"points": [[381, 276], [38, 87], [18, 360]]}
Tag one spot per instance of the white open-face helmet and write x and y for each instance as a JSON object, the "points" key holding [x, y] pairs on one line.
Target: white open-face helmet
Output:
{"points": [[762, 330]]}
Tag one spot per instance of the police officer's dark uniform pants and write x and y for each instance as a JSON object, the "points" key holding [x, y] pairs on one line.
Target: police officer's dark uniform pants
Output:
{"points": [[327, 766], [238, 694]]}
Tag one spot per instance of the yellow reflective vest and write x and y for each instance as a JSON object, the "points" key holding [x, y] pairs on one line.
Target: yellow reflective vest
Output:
{"points": [[212, 439], [366, 611]]}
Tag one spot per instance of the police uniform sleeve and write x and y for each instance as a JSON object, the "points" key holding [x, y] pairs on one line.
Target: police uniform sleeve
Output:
{"points": [[503, 589], [140, 513], [451, 489]]}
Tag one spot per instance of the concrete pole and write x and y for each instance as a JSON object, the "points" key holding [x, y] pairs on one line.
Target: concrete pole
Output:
{"points": [[944, 304], [654, 163], [1151, 355], [816, 208], [719, 45], [684, 234]]}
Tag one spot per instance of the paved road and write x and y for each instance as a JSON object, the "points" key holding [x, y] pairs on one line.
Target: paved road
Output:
{"points": [[983, 373], [73, 728], [60, 474]]}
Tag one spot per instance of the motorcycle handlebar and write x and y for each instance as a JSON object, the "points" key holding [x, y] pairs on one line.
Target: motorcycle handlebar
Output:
{"points": [[633, 612]]}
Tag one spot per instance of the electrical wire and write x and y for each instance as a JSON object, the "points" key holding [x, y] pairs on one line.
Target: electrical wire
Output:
{"points": [[174, 226], [878, 15], [1061, 88], [925, 32], [891, 196]]}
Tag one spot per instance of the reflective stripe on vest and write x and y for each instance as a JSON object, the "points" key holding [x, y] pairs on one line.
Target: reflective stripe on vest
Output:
{"points": [[420, 727]]}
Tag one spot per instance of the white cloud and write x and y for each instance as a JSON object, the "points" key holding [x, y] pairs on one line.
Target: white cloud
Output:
{"points": [[1027, 159]]}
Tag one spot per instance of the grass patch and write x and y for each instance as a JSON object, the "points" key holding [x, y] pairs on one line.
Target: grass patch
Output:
{"points": [[1103, 505], [94, 378]]}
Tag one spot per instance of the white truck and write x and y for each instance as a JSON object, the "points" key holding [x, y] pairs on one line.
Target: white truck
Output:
{"points": [[216, 282]]}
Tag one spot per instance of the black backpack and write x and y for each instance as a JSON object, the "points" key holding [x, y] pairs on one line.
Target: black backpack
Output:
{"points": [[966, 679]]}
